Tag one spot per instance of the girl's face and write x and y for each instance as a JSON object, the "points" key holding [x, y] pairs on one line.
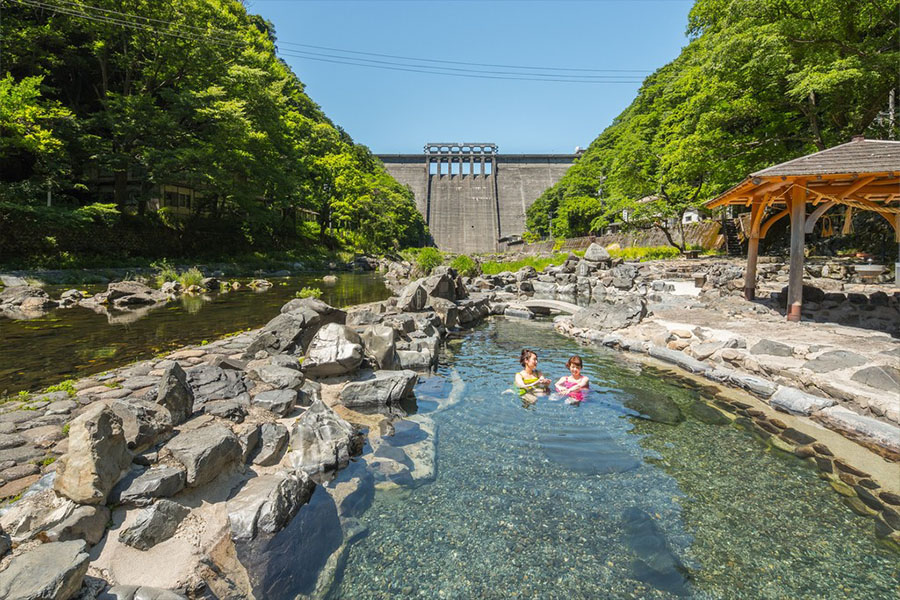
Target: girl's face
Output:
{"points": [[531, 362], [575, 370]]}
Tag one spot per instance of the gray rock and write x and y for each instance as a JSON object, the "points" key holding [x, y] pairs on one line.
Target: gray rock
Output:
{"points": [[596, 253], [85, 522], [772, 348], [5, 543], [412, 298], [267, 503], [623, 276], [23, 302], [704, 350], [144, 487], [293, 330], [654, 407], [882, 377], [10, 440], [446, 311], [283, 378], [379, 345], [273, 439], [309, 393], [175, 394], [205, 452], [154, 524], [416, 360], [334, 350], [543, 288], [285, 360], [756, 385], [609, 317], [834, 360], [249, 440], [143, 592], [278, 402], [322, 441], [143, 422], [230, 410], [518, 311], [52, 571], [679, 358], [798, 402], [862, 427], [97, 455], [379, 388], [439, 286], [210, 382]]}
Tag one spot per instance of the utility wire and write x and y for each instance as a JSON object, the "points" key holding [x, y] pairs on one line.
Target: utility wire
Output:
{"points": [[176, 30]]}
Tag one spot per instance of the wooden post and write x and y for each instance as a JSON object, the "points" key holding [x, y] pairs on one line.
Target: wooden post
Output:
{"points": [[752, 252], [795, 281]]}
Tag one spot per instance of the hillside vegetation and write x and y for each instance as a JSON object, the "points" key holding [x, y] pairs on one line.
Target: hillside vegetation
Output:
{"points": [[100, 108], [761, 82]]}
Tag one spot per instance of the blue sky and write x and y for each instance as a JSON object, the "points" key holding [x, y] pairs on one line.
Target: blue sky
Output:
{"points": [[397, 111]]}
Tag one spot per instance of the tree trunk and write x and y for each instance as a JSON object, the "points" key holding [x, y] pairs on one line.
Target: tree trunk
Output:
{"points": [[120, 189]]}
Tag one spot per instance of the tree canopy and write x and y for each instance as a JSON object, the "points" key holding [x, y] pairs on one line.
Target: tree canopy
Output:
{"points": [[760, 82], [188, 93]]}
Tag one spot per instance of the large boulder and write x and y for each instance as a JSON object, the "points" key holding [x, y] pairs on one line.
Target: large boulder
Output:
{"points": [[154, 524], [143, 422], [334, 350], [282, 378], [278, 402], [412, 298], [97, 455], [24, 302], [51, 571], [608, 316], [446, 311], [293, 330], [267, 503], [378, 388], [439, 286], [216, 382], [205, 452], [379, 345], [175, 394], [623, 276], [596, 253], [273, 438], [53, 518], [142, 488], [322, 441]]}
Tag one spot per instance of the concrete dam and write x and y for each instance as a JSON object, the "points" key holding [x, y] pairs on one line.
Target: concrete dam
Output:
{"points": [[472, 197]]}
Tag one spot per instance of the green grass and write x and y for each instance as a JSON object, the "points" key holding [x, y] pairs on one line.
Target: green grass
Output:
{"points": [[428, 259], [645, 253], [492, 267], [192, 276], [465, 266], [309, 292], [67, 386]]}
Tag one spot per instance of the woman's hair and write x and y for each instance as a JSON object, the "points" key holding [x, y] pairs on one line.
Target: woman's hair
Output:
{"points": [[575, 360], [526, 354]]}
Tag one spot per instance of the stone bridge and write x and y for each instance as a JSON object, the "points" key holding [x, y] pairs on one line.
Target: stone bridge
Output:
{"points": [[542, 305], [473, 198]]}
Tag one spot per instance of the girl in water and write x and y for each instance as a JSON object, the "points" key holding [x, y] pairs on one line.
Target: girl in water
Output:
{"points": [[529, 379], [575, 384]]}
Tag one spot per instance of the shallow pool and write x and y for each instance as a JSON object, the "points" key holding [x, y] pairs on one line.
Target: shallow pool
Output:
{"points": [[590, 501]]}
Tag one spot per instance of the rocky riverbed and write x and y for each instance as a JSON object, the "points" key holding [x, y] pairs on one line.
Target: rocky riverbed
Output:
{"points": [[173, 477]]}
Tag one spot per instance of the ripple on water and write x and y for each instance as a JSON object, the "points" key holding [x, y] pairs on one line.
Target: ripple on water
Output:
{"points": [[590, 501]]}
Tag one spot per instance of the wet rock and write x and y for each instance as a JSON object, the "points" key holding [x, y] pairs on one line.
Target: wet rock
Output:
{"points": [[797, 437], [798, 402], [379, 388], [379, 345], [882, 377], [334, 350], [142, 488], [597, 452], [278, 402], [143, 592], [175, 394], [705, 413], [205, 452], [154, 524], [292, 330], [52, 571], [97, 455], [267, 503], [321, 441], [143, 422], [655, 564], [654, 407], [272, 442], [834, 360], [24, 302]]}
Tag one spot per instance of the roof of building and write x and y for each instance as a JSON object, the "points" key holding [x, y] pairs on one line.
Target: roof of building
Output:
{"points": [[857, 156]]}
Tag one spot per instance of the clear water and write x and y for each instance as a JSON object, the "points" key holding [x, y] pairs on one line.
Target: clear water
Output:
{"points": [[75, 342], [558, 501]]}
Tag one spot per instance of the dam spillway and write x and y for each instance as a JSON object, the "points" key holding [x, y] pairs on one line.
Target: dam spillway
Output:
{"points": [[471, 196]]}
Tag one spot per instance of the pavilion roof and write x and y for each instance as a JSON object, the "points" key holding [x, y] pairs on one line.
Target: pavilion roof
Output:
{"points": [[858, 156]]}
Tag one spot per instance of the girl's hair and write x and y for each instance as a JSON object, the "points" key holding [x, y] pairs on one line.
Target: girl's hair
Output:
{"points": [[575, 360], [526, 354]]}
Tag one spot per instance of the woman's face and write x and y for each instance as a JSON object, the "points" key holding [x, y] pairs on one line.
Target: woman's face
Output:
{"points": [[575, 370], [531, 362]]}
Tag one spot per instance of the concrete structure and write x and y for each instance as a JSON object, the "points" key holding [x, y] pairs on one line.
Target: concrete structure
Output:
{"points": [[470, 195]]}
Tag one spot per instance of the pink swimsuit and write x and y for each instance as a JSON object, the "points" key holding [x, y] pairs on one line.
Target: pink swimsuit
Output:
{"points": [[577, 394]]}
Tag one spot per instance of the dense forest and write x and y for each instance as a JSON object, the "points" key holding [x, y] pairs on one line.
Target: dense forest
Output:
{"points": [[133, 127], [760, 82]]}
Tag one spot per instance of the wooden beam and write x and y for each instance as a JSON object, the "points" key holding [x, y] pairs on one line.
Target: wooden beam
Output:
{"points": [[753, 250], [795, 274], [768, 224], [814, 216]]}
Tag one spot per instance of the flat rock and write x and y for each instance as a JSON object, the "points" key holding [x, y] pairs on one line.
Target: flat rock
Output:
{"points": [[142, 488], [378, 388], [85, 522], [757, 385], [10, 440], [882, 377], [283, 378], [772, 348], [293, 330], [230, 410], [154, 524], [860, 426], [798, 402], [278, 402], [49, 571], [14, 488], [205, 452], [834, 360]]}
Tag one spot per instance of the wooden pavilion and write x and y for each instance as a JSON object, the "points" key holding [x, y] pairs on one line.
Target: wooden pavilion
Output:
{"points": [[859, 175]]}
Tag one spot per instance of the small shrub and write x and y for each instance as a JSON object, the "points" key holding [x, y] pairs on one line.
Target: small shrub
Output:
{"points": [[309, 292], [192, 276], [164, 272], [428, 259], [644, 253], [465, 266], [204, 342], [67, 386], [23, 396], [65, 430], [48, 461]]}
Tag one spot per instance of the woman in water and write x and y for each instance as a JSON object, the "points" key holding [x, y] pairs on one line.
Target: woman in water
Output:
{"points": [[575, 384], [529, 379]]}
